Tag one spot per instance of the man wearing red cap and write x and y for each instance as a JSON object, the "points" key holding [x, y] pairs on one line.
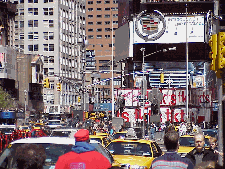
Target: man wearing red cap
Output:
{"points": [[83, 155]]}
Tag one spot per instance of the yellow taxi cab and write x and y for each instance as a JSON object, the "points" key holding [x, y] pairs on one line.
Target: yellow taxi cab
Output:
{"points": [[187, 144], [24, 128], [102, 134], [38, 125], [99, 139], [134, 153]]}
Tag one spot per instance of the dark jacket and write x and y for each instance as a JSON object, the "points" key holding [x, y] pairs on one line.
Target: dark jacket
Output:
{"points": [[207, 156]]}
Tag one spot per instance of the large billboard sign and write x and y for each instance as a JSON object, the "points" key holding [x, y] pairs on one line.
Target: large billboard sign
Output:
{"points": [[156, 28]]}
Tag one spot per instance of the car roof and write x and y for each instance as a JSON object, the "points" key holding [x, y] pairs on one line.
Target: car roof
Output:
{"points": [[133, 140], [96, 136], [53, 140]]}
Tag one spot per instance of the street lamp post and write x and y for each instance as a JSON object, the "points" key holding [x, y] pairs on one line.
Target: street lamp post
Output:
{"points": [[143, 65], [112, 70], [25, 103]]}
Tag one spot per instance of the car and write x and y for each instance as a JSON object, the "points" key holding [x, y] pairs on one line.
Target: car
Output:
{"points": [[210, 132], [54, 147], [7, 129], [120, 134], [63, 132], [101, 134], [38, 125], [99, 139], [187, 144], [134, 152], [25, 128]]}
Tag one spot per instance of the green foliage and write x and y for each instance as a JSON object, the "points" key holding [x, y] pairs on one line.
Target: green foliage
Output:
{"points": [[6, 102]]}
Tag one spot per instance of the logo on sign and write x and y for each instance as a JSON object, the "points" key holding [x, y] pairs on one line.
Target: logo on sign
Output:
{"points": [[150, 27]]}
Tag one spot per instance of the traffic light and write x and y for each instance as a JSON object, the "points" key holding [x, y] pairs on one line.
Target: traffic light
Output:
{"points": [[93, 116], [213, 52], [46, 83], [59, 87], [86, 114], [79, 99], [221, 50], [162, 78]]}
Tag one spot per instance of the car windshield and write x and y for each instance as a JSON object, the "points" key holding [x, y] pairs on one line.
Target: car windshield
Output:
{"points": [[53, 151], [61, 133], [117, 135], [190, 141], [129, 148], [211, 133]]}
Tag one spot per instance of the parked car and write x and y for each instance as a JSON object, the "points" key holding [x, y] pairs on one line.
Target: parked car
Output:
{"points": [[210, 132], [54, 147]]}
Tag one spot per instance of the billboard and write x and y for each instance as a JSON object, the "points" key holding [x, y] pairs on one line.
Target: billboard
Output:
{"points": [[172, 29]]}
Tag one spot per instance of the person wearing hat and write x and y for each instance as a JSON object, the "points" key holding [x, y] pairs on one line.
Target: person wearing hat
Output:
{"points": [[83, 155]]}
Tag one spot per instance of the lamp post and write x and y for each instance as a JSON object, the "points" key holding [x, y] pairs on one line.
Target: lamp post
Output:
{"points": [[25, 102], [143, 64], [112, 70]]}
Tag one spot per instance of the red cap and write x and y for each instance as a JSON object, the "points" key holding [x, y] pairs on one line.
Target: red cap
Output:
{"points": [[81, 135]]}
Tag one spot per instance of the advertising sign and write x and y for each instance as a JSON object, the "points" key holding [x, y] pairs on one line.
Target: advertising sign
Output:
{"points": [[171, 29]]}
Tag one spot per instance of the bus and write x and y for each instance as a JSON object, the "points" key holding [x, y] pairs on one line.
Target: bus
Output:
{"points": [[54, 120]]}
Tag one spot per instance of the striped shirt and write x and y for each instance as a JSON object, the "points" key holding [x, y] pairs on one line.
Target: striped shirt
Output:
{"points": [[171, 160]]}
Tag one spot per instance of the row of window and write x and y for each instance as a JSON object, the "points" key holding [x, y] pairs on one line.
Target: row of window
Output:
{"points": [[34, 11], [47, 47], [99, 36], [34, 35], [105, 2], [32, 1], [100, 9], [105, 16]]}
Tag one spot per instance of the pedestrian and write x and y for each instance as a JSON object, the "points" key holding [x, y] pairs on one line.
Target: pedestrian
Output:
{"points": [[30, 156], [214, 147], [83, 155], [152, 132], [199, 153], [112, 130], [171, 159], [163, 127]]}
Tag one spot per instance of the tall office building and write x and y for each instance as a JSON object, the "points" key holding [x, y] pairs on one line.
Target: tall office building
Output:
{"points": [[101, 23], [54, 29]]}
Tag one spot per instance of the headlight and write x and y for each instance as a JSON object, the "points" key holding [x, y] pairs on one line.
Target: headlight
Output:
{"points": [[138, 167]]}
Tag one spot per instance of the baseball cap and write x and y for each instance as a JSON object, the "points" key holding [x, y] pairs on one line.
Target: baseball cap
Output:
{"points": [[81, 135]]}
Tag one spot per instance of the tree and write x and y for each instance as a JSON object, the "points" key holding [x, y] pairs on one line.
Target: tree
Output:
{"points": [[6, 102]]}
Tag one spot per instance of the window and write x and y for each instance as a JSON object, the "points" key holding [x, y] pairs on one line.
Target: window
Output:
{"points": [[107, 2], [90, 30], [99, 16], [51, 59], [21, 24], [48, 47], [99, 2], [90, 16], [47, 1], [32, 23], [21, 1], [110, 45], [115, 1], [33, 35], [48, 11], [90, 23], [115, 9], [107, 16], [103, 61], [90, 36], [98, 29], [32, 11], [104, 67], [107, 9], [101, 45], [21, 35], [48, 23], [98, 23], [90, 2], [99, 36], [107, 36], [90, 9], [115, 22], [48, 35], [99, 9], [107, 29], [21, 11], [32, 1], [115, 15], [33, 47], [107, 22]]}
